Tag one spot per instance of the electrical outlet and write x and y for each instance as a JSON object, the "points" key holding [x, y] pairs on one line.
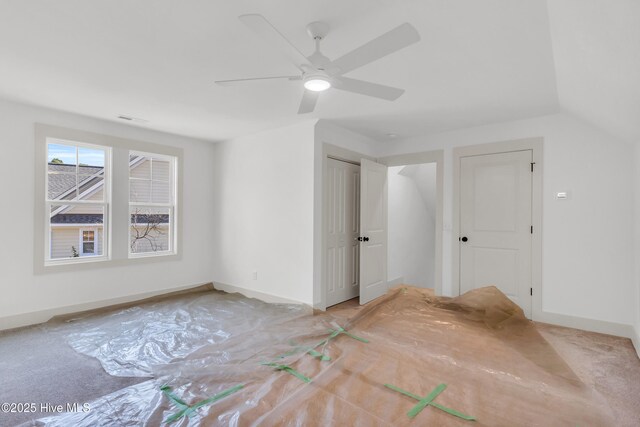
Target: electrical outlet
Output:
{"points": [[255, 275]]}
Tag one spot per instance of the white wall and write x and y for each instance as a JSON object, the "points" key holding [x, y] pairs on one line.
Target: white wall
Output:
{"points": [[29, 298], [588, 249], [263, 219], [411, 252]]}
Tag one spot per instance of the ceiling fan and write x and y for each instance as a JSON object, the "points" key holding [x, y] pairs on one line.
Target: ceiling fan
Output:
{"points": [[319, 73]]}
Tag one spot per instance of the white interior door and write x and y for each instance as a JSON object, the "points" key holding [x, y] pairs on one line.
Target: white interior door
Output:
{"points": [[343, 228], [495, 224], [373, 223]]}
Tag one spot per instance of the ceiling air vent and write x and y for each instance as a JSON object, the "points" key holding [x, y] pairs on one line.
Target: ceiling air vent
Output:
{"points": [[132, 119]]}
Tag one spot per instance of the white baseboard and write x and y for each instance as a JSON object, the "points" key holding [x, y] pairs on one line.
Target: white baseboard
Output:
{"points": [[395, 282], [593, 325], [249, 293], [35, 317], [635, 339]]}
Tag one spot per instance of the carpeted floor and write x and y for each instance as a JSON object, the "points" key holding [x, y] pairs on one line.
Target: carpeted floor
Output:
{"points": [[609, 364], [38, 366]]}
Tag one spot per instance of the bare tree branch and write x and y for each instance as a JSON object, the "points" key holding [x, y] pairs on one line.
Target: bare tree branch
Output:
{"points": [[150, 229]]}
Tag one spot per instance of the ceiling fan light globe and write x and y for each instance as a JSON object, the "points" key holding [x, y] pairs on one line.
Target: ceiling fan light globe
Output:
{"points": [[317, 84]]}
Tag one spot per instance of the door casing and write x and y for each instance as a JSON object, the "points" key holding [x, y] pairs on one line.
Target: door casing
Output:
{"points": [[326, 151], [535, 145]]}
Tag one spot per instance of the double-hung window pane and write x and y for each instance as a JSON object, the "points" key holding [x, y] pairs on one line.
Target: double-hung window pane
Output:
{"points": [[151, 203], [76, 200]]}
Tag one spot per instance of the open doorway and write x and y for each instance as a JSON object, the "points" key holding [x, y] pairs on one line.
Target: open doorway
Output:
{"points": [[412, 225], [415, 211], [342, 230], [352, 255]]}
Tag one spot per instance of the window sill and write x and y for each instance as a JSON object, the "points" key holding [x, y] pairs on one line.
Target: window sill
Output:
{"points": [[151, 254], [93, 263], [76, 261]]}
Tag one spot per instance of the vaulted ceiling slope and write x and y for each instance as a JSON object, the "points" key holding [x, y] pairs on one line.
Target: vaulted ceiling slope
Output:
{"points": [[478, 62], [596, 46]]}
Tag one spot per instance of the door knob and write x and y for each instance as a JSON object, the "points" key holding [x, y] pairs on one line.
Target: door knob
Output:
{"points": [[366, 239], [359, 239], [464, 239]]}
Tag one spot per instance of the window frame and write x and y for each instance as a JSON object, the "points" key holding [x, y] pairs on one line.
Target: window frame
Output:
{"points": [[171, 205], [105, 204], [117, 240]]}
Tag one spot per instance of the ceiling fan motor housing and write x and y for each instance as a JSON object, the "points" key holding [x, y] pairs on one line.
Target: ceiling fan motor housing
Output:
{"points": [[318, 30]]}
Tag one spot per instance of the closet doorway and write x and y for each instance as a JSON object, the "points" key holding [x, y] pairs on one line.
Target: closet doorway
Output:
{"points": [[342, 231]]}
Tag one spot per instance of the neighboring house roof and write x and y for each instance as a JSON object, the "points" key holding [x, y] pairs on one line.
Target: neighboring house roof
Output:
{"points": [[62, 185], [62, 179], [97, 219], [77, 219]]}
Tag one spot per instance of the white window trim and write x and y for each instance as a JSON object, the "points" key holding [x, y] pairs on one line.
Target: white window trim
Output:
{"points": [[118, 218], [105, 203], [172, 205]]}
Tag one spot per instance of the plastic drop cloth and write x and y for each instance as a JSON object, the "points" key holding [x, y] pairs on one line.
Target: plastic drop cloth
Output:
{"points": [[496, 366], [129, 342]]}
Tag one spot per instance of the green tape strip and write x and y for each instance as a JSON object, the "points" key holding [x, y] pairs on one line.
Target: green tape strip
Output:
{"points": [[406, 393], [308, 350], [290, 370], [312, 350], [335, 333], [453, 412], [189, 410], [179, 402], [319, 355], [427, 400], [423, 402]]}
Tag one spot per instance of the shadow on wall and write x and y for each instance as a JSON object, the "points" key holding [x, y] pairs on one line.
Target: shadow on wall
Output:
{"points": [[412, 204]]}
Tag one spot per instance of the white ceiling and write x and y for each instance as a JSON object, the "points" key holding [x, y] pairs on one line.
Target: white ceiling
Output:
{"points": [[478, 62]]}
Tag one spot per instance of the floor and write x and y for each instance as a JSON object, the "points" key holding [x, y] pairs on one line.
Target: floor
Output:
{"points": [[40, 367], [609, 364]]}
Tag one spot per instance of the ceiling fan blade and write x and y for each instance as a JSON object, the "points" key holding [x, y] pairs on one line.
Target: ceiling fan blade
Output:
{"points": [[254, 79], [367, 88], [267, 32], [308, 103], [392, 41]]}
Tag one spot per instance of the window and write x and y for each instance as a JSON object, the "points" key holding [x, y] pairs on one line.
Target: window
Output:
{"points": [[77, 200], [88, 243], [151, 204], [104, 199]]}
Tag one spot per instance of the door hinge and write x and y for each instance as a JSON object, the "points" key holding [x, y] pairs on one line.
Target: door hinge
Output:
{"points": [[531, 291], [532, 163], [532, 229]]}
